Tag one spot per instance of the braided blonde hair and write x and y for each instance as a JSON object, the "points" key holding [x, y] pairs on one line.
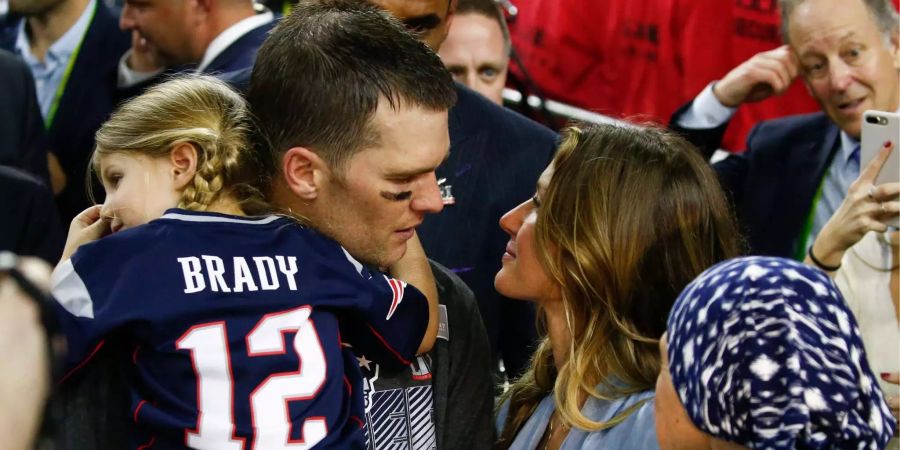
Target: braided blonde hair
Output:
{"points": [[196, 109]]}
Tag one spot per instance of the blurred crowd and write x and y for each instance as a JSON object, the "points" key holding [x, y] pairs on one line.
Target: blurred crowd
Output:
{"points": [[526, 224]]}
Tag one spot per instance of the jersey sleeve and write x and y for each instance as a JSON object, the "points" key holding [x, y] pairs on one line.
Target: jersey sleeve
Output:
{"points": [[391, 321], [84, 288]]}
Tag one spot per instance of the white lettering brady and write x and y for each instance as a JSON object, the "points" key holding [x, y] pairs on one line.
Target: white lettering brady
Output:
{"points": [[242, 275], [289, 268], [193, 280], [267, 276], [216, 268], [266, 273]]}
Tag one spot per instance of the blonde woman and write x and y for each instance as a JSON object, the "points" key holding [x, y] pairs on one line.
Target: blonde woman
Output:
{"points": [[232, 319], [622, 220]]}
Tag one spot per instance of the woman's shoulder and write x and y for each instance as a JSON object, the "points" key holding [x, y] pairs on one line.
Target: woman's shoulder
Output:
{"points": [[636, 431]]}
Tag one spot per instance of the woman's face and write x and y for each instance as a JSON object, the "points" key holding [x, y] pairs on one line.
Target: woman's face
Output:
{"points": [[522, 275]]}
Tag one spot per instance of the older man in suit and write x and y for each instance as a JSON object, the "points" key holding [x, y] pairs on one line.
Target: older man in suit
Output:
{"points": [[796, 170], [71, 48], [209, 36]]}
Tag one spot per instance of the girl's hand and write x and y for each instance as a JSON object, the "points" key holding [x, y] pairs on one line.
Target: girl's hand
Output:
{"points": [[87, 226]]}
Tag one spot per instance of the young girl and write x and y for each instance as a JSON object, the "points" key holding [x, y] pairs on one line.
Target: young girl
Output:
{"points": [[237, 322]]}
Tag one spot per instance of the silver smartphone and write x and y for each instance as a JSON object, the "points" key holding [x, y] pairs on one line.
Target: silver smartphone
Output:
{"points": [[877, 128]]}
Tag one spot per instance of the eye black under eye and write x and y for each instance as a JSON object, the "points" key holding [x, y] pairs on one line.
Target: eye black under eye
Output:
{"points": [[396, 196]]}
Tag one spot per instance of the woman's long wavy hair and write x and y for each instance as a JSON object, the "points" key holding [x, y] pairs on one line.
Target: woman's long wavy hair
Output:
{"points": [[629, 218], [196, 109]]}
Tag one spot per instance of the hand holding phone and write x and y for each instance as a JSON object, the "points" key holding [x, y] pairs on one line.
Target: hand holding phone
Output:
{"points": [[877, 129]]}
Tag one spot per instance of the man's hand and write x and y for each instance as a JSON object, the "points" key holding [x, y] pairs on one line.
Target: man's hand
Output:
{"points": [[144, 56], [57, 174], [25, 376], [760, 77], [87, 226]]}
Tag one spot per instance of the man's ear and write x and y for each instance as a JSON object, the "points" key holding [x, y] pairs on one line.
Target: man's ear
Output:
{"points": [[303, 172], [184, 164], [448, 21]]}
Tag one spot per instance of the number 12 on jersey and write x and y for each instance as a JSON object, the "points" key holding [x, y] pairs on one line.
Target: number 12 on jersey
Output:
{"points": [[210, 355]]}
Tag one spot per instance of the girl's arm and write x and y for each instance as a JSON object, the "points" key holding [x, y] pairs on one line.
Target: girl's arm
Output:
{"points": [[414, 269]]}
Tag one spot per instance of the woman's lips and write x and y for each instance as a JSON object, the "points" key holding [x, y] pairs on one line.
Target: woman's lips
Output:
{"points": [[510, 252]]}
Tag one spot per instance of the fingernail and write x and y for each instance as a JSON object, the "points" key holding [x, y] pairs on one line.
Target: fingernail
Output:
{"points": [[887, 143], [885, 375]]}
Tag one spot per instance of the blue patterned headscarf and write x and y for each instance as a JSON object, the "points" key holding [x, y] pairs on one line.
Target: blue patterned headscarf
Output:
{"points": [[764, 352]]}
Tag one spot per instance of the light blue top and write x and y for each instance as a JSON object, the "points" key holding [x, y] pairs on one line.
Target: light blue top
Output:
{"points": [[636, 432], [49, 73]]}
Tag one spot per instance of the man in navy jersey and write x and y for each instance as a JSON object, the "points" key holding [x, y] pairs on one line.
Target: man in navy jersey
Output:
{"points": [[365, 84], [355, 117], [496, 157]]}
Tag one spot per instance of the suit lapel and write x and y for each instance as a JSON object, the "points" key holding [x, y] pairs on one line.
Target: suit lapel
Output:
{"points": [[804, 171], [241, 53]]}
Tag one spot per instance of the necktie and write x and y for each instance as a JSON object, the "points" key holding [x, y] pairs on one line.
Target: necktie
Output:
{"points": [[854, 161]]}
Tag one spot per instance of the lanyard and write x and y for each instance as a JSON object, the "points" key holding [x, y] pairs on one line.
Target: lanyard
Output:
{"points": [[57, 96], [802, 243]]}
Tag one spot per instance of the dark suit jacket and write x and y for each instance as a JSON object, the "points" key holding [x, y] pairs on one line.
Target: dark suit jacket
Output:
{"points": [[233, 65], [86, 103], [772, 184], [241, 54], [30, 225], [22, 139], [496, 157]]}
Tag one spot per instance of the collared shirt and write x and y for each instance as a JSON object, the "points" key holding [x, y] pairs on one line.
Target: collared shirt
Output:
{"points": [[129, 77], [48, 74], [232, 34], [842, 172], [707, 112]]}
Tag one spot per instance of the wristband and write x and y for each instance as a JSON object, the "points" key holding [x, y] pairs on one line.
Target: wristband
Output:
{"points": [[820, 264]]}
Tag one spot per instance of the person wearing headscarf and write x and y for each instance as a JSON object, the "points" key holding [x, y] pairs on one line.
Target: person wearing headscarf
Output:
{"points": [[763, 353]]}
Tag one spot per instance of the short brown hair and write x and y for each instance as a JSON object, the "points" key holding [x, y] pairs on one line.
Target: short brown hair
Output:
{"points": [[489, 9], [319, 75]]}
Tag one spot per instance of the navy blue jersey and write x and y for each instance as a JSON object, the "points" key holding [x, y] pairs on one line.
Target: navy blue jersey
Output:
{"points": [[239, 328]]}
